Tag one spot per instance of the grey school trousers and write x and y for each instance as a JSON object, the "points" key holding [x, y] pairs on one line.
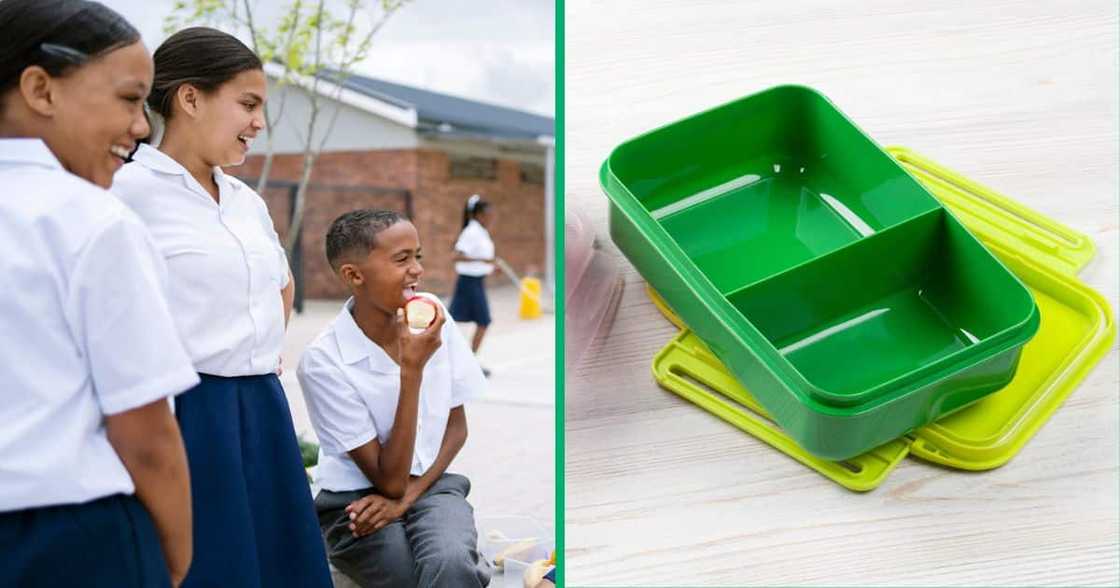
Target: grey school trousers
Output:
{"points": [[434, 544]]}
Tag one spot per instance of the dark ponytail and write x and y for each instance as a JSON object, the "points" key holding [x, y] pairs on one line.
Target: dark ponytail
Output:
{"points": [[203, 57], [56, 35], [475, 206]]}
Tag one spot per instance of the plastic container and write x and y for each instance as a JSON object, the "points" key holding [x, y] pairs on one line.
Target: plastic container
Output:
{"points": [[1076, 330], [835, 287], [592, 288], [516, 564], [511, 537]]}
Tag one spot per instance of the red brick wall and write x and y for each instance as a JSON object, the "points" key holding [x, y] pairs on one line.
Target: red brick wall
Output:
{"points": [[519, 235], [437, 201]]}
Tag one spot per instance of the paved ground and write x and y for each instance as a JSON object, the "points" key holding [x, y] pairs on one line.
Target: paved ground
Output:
{"points": [[509, 453]]}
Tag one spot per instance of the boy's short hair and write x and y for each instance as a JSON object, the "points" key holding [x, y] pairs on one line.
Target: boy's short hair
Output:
{"points": [[354, 234]]}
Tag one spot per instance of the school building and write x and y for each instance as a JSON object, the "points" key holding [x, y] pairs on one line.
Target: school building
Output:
{"points": [[420, 152]]}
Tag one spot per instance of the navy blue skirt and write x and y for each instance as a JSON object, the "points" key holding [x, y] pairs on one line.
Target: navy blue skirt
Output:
{"points": [[254, 520], [110, 542], [469, 304]]}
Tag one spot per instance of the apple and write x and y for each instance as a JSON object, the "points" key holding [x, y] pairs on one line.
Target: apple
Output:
{"points": [[420, 312]]}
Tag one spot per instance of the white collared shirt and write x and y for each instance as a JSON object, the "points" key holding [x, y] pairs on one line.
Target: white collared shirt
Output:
{"points": [[84, 327], [226, 264], [474, 241], [352, 386]]}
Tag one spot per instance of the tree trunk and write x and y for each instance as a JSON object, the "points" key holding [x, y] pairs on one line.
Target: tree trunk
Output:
{"points": [[301, 199]]}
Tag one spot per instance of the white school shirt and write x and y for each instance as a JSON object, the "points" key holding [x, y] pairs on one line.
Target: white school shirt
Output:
{"points": [[85, 331], [226, 264], [474, 241], [352, 387]]}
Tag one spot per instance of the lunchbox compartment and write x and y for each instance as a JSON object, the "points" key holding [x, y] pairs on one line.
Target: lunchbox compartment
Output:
{"points": [[888, 309], [782, 172]]}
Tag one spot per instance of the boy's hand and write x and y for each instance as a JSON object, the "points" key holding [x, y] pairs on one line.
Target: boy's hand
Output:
{"points": [[416, 350], [370, 513]]}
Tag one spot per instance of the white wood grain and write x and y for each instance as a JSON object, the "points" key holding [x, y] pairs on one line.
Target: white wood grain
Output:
{"points": [[1021, 96]]}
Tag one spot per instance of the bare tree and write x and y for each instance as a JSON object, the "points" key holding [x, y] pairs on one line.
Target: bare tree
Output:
{"points": [[309, 43]]}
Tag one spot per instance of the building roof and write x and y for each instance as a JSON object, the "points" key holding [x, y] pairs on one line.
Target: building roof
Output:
{"points": [[446, 115]]}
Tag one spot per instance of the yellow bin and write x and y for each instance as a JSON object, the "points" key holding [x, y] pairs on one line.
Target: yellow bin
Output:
{"points": [[530, 298]]}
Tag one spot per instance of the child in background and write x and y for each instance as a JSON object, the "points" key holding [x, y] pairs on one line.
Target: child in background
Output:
{"points": [[387, 405], [474, 260]]}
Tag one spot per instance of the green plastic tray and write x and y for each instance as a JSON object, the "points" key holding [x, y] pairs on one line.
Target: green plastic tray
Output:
{"points": [[845, 296], [1075, 332]]}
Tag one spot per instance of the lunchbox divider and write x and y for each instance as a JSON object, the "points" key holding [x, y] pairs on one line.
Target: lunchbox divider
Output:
{"points": [[731, 292], [838, 253]]}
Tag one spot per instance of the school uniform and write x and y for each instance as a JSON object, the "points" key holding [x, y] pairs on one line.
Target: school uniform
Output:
{"points": [[469, 303], [86, 333], [352, 388], [254, 523]]}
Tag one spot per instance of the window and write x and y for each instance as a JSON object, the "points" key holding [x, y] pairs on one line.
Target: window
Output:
{"points": [[473, 168], [532, 173]]}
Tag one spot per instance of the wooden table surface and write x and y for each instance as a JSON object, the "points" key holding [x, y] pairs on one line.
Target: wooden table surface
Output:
{"points": [[1017, 95]]}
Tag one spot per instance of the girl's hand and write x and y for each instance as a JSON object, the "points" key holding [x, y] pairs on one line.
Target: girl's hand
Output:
{"points": [[415, 350]]}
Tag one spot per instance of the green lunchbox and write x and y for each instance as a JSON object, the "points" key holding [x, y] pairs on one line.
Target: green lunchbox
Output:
{"points": [[851, 303]]}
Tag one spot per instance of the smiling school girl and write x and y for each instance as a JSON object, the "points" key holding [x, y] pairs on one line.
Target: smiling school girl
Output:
{"points": [[231, 293], [94, 488]]}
